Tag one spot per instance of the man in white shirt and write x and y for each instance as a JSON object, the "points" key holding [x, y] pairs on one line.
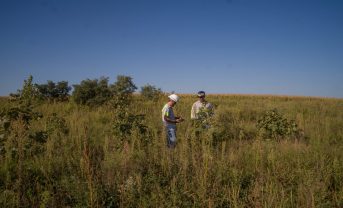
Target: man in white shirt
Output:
{"points": [[201, 105], [170, 120]]}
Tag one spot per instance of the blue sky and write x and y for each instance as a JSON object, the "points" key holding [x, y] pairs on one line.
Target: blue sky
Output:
{"points": [[287, 47]]}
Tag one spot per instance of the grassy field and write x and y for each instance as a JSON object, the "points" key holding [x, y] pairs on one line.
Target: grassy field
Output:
{"points": [[77, 161]]}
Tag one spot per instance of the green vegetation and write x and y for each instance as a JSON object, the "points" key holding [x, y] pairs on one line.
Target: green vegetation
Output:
{"points": [[62, 154], [50, 91], [150, 92], [92, 92], [54, 91]]}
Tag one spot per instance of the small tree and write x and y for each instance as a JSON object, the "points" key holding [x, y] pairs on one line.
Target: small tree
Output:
{"points": [[53, 91], [63, 89], [151, 92], [123, 86], [92, 92], [122, 91], [125, 122], [29, 91], [274, 125], [20, 143], [28, 94]]}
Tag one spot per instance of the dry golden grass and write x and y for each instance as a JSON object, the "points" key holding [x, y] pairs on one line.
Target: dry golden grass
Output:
{"points": [[87, 168]]}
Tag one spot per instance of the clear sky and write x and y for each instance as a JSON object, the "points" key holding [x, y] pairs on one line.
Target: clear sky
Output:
{"points": [[288, 47]]}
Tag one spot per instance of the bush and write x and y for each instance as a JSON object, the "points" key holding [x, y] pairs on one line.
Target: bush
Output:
{"points": [[225, 126], [92, 92], [126, 123], [56, 124], [28, 94], [122, 91], [53, 91], [151, 92], [274, 125], [22, 112], [98, 91], [123, 86]]}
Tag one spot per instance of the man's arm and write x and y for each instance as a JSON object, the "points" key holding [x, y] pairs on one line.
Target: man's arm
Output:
{"points": [[171, 120], [193, 112]]}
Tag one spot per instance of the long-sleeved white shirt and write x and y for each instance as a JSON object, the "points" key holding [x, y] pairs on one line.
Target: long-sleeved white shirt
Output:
{"points": [[197, 106]]}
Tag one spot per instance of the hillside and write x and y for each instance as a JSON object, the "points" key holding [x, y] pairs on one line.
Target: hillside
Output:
{"points": [[71, 155]]}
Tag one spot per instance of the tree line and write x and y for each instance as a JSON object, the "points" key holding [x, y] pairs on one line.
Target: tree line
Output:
{"points": [[90, 92]]}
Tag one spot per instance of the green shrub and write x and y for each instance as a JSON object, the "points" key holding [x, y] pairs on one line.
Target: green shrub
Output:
{"points": [[54, 91], [150, 92], [28, 94], [56, 124], [274, 125], [122, 91], [123, 86], [92, 92], [125, 122]]}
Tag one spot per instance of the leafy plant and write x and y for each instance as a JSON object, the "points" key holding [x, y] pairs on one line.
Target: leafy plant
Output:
{"points": [[92, 92], [150, 92], [4, 127], [56, 124], [274, 125], [54, 91], [204, 119], [28, 94], [125, 122], [122, 91]]}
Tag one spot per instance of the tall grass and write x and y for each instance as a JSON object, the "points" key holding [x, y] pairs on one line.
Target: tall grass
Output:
{"points": [[84, 167]]}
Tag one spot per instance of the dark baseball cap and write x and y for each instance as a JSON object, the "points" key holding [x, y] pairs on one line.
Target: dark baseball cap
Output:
{"points": [[201, 94]]}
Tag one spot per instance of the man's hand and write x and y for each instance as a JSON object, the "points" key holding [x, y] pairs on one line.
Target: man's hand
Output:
{"points": [[179, 119]]}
